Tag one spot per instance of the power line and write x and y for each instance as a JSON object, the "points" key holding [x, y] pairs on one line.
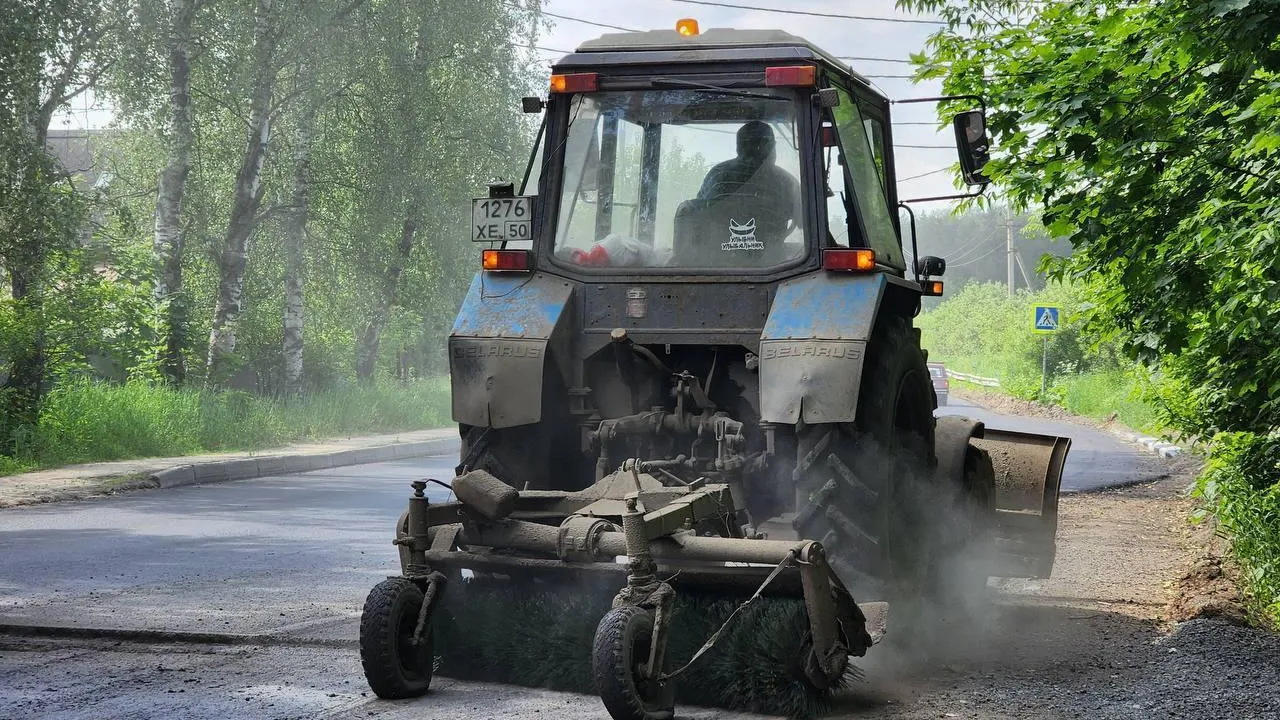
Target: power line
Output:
{"points": [[526, 46], [585, 21], [927, 174], [911, 21], [973, 260]]}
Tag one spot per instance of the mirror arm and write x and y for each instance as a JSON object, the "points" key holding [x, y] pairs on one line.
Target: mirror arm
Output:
{"points": [[946, 197], [915, 251], [943, 98]]}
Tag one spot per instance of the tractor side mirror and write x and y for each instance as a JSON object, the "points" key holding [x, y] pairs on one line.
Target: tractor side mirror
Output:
{"points": [[930, 266], [532, 104], [975, 149], [827, 98]]}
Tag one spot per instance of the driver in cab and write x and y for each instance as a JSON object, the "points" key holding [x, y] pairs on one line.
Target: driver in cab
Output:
{"points": [[755, 174]]}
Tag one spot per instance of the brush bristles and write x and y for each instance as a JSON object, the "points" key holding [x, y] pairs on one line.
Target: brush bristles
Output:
{"points": [[537, 635]]}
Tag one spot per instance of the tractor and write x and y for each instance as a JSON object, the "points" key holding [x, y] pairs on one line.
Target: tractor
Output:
{"points": [[688, 365]]}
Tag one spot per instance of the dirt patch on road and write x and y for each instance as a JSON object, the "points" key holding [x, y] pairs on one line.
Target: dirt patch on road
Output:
{"points": [[1096, 639], [1009, 405], [22, 490], [1209, 586]]}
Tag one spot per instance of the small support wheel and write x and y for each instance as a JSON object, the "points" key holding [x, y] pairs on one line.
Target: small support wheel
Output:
{"points": [[618, 656], [395, 666]]}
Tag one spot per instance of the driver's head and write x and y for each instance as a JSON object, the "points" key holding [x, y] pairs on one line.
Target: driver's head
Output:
{"points": [[755, 142]]}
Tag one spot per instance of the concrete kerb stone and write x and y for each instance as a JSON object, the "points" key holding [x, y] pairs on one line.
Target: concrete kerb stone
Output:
{"points": [[1152, 444], [285, 464], [175, 476]]}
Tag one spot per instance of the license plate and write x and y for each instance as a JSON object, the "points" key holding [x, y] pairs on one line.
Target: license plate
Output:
{"points": [[501, 219]]}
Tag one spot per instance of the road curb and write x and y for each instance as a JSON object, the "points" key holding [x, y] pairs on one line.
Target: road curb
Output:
{"points": [[1152, 444], [287, 464]]}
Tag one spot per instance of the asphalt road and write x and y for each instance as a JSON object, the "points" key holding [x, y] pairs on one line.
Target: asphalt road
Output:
{"points": [[287, 557], [1097, 459]]}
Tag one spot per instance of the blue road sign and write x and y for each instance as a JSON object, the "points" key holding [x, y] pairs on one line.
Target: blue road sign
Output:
{"points": [[1045, 319]]}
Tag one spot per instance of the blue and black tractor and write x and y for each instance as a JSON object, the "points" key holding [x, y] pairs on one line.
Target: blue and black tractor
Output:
{"points": [[688, 362]]}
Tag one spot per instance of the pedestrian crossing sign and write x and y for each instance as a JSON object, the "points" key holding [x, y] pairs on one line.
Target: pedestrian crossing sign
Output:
{"points": [[1045, 319]]}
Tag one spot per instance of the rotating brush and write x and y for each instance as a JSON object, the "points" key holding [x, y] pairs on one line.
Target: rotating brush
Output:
{"points": [[535, 634]]}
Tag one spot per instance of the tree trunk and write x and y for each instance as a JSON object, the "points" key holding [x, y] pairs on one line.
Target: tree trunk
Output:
{"points": [[244, 207], [295, 236], [169, 237], [371, 334]]}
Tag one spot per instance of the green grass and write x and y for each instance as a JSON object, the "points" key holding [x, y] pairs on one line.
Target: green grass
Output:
{"points": [[1100, 395], [1096, 395], [86, 421]]}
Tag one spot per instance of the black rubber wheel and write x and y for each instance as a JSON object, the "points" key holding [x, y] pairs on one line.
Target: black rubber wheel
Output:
{"points": [[394, 666], [855, 483], [621, 646]]}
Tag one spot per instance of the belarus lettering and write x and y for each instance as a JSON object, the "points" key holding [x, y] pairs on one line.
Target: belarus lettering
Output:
{"points": [[839, 351]]}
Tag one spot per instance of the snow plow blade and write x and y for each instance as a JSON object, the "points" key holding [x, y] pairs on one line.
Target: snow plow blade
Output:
{"points": [[1028, 469]]}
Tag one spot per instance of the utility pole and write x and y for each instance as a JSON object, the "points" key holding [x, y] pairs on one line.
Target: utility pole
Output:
{"points": [[1008, 247]]}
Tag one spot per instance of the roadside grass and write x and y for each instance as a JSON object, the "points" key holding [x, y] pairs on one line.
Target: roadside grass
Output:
{"points": [[1100, 395], [87, 421], [1096, 395]]}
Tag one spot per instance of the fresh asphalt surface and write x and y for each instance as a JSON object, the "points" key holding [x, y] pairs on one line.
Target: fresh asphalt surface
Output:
{"points": [[287, 557]]}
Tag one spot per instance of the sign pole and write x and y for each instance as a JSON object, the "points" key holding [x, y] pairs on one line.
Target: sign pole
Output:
{"points": [[1044, 368], [1045, 320]]}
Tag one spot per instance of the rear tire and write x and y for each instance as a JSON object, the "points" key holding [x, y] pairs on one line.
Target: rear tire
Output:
{"points": [[621, 646], [856, 486], [395, 667]]}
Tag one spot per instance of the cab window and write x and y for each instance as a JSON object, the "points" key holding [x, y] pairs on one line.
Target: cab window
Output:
{"points": [[866, 173]]}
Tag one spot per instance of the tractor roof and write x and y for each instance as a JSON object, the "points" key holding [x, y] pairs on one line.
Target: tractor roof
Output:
{"points": [[713, 45]]}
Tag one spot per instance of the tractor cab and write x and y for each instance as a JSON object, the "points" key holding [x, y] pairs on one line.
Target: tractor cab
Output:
{"points": [[727, 153]]}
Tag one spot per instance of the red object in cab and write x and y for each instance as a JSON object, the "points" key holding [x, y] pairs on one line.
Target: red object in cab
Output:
{"points": [[595, 257]]}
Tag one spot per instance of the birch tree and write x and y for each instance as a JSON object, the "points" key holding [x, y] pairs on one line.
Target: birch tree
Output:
{"points": [[170, 237], [246, 197]]}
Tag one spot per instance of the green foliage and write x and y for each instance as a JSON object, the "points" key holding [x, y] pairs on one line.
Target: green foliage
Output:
{"points": [[973, 244], [1248, 509], [84, 420], [982, 330], [1144, 131], [416, 107], [1148, 134]]}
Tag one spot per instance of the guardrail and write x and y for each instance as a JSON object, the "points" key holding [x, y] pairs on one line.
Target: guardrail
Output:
{"points": [[975, 379]]}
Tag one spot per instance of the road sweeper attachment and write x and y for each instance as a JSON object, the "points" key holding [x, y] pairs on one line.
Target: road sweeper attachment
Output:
{"points": [[644, 588], [698, 433]]}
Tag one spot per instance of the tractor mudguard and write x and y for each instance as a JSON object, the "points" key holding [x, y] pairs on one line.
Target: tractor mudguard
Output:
{"points": [[812, 347], [507, 325], [1028, 470]]}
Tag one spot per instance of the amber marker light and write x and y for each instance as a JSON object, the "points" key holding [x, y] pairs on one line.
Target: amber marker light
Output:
{"points": [[505, 260], [575, 83], [687, 27], [849, 259]]}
